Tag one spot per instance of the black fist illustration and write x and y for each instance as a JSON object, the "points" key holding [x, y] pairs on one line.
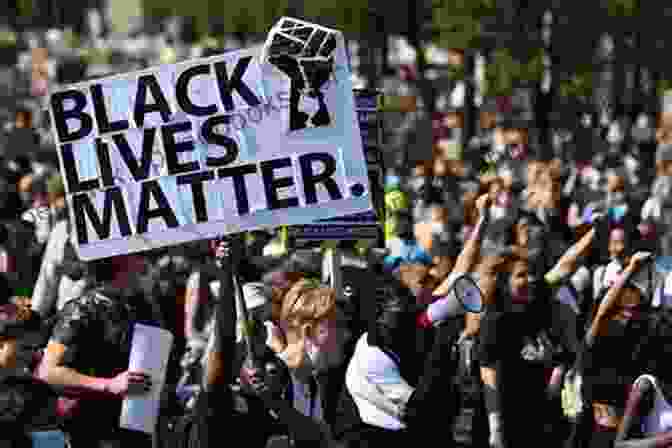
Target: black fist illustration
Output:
{"points": [[304, 52]]}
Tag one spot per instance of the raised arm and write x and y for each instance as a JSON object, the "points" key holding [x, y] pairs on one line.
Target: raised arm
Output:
{"points": [[70, 332], [567, 264], [472, 248], [613, 296], [439, 309]]}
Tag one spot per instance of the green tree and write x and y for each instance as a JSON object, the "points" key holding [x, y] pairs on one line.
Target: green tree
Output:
{"points": [[462, 24], [354, 17], [253, 17]]}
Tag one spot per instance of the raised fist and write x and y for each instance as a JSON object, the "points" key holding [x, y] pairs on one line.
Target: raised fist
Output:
{"points": [[303, 52]]}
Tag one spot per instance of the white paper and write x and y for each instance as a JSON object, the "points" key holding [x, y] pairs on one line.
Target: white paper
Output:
{"points": [[150, 351]]}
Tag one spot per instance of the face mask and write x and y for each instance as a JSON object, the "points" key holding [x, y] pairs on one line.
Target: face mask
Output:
{"points": [[320, 360]]}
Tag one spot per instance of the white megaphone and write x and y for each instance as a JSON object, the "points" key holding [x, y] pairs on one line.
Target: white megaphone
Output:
{"points": [[463, 297], [467, 294]]}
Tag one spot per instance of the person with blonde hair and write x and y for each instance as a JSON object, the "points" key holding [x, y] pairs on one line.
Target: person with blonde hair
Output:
{"points": [[314, 341]]}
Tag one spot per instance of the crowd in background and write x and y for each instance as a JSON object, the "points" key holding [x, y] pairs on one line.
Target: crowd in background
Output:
{"points": [[554, 239]]}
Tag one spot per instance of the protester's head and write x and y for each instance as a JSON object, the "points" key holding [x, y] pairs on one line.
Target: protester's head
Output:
{"points": [[170, 274], [15, 322], [280, 282], [392, 325], [309, 317], [519, 282], [432, 228]]}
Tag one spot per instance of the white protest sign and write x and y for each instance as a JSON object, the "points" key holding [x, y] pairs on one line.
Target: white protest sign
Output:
{"points": [[261, 137], [150, 351]]}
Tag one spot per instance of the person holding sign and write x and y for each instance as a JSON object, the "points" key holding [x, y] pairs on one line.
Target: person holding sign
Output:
{"points": [[88, 356]]}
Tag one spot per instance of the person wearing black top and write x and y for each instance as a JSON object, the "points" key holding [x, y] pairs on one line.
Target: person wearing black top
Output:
{"points": [[393, 390], [514, 353], [608, 361], [245, 390], [88, 354], [27, 405]]}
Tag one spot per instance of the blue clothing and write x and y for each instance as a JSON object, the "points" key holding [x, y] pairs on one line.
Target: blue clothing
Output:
{"points": [[405, 251]]}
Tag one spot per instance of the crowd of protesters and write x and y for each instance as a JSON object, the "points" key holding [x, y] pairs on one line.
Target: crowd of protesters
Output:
{"points": [[568, 351]]}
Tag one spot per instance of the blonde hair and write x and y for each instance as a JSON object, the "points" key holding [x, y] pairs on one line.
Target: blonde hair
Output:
{"points": [[279, 291], [307, 302]]}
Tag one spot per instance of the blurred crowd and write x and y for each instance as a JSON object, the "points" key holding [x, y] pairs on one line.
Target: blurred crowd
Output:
{"points": [[560, 240]]}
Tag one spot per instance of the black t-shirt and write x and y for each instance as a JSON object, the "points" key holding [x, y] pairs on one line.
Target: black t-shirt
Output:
{"points": [[26, 404], [610, 364], [97, 331]]}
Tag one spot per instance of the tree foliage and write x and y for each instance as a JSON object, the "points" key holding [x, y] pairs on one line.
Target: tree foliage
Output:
{"points": [[354, 17], [249, 16], [460, 23]]}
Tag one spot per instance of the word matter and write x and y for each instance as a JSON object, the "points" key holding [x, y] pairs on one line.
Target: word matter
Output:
{"points": [[158, 199]]}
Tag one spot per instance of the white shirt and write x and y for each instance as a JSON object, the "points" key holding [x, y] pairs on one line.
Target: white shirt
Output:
{"points": [[375, 383], [53, 290], [662, 297]]}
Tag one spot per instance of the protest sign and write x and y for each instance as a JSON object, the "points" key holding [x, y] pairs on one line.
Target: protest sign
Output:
{"points": [[365, 225], [256, 138], [150, 351]]}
